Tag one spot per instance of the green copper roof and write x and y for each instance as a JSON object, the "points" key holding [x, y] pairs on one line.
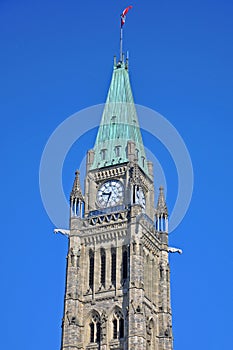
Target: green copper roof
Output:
{"points": [[119, 124]]}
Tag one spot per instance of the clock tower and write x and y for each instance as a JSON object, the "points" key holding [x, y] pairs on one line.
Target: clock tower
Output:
{"points": [[118, 278]]}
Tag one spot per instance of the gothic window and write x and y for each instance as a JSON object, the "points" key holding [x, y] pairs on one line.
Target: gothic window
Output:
{"points": [[95, 328], [103, 153], [91, 268], [117, 151], [124, 263], [103, 267], [113, 266], [137, 153], [118, 325]]}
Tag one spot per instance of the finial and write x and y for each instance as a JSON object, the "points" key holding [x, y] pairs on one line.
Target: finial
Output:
{"points": [[127, 60], [161, 205], [76, 198], [76, 192]]}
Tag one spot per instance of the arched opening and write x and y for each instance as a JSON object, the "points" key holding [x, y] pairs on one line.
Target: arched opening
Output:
{"points": [[95, 328], [118, 325]]}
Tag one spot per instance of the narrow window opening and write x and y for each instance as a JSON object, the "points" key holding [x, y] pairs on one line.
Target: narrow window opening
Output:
{"points": [[98, 328], [91, 269], [114, 328], [113, 267], [167, 275], [121, 328], [161, 272], [125, 264], [103, 267], [92, 332]]}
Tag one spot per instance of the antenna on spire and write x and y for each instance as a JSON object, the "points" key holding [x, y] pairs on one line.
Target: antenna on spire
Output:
{"points": [[123, 17]]}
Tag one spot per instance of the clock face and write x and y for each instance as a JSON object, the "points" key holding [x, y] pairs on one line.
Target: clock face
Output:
{"points": [[140, 197], [110, 193]]}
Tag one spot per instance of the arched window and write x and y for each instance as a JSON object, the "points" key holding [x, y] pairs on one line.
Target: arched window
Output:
{"points": [[113, 266], [95, 328], [118, 325], [103, 267], [91, 268]]}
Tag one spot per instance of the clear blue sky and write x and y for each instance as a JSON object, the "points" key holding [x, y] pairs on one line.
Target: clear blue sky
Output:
{"points": [[56, 58]]}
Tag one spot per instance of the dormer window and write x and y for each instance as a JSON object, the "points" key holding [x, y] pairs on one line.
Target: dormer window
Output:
{"points": [[136, 153], [143, 161], [117, 151], [103, 153], [113, 119]]}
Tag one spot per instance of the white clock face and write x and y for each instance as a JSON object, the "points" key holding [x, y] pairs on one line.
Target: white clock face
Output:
{"points": [[140, 197], [110, 193]]}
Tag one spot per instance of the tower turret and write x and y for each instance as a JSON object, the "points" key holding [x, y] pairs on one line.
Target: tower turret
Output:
{"points": [[161, 212], [76, 197]]}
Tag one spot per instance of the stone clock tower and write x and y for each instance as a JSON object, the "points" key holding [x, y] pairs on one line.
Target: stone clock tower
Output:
{"points": [[118, 278]]}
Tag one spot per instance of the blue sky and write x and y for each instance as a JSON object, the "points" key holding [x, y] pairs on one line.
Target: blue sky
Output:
{"points": [[56, 59]]}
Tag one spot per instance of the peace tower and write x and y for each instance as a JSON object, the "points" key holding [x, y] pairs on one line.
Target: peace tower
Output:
{"points": [[117, 292]]}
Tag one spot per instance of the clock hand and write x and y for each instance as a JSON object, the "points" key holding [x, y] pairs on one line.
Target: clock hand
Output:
{"points": [[107, 194]]}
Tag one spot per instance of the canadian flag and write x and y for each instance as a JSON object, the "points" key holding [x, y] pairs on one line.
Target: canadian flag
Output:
{"points": [[123, 15]]}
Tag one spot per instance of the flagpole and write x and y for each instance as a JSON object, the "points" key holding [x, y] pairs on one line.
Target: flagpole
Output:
{"points": [[123, 16], [121, 44]]}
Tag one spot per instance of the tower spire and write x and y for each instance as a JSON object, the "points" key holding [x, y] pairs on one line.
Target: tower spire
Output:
{"points": [[119, 125]]}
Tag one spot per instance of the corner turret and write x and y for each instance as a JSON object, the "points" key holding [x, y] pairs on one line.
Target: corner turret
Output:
{"points": [[161, 212], [76, 197]]}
